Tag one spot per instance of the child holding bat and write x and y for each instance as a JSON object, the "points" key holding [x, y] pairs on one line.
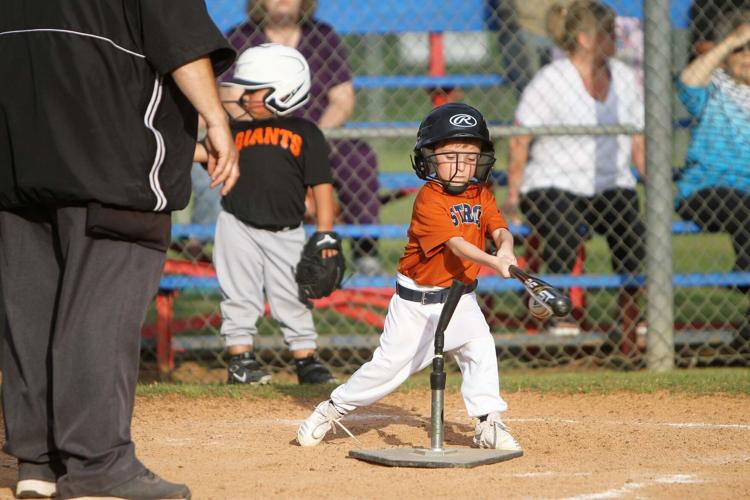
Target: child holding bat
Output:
{"points": [[452, 214]]}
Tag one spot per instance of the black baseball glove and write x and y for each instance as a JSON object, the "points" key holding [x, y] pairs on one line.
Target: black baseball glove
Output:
{"points": [[317, 276]]}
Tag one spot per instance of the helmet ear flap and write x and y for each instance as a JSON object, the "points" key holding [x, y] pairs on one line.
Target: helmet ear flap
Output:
{"points": [[420, 164]]}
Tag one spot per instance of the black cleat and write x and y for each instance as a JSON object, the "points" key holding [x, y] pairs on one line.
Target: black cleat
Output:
{"points": [[245, 369], [311, 371], [148, 486]]}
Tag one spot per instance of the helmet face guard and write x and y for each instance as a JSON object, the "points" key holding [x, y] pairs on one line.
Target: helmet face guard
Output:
{"points": [[453, 121], [429, 171]]}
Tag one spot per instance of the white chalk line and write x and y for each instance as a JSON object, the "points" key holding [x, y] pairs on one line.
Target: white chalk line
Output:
{"points": [[373, 417], [677, 425], [628, 488]]}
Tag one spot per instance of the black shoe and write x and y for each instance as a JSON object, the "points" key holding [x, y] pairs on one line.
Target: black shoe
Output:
{"points": [[148, 486], [311, 371], [245, 369]]}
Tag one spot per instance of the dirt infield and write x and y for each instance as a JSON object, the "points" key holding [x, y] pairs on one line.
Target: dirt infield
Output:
{"points": [[581, 446]]}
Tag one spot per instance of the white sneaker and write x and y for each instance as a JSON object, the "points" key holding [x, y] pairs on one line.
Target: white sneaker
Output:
{"points": [[36, 488], [316, 426], [493, 434]]}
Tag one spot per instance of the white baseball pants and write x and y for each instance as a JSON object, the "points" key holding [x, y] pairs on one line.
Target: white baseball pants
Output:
{"points": [[407, 346]]}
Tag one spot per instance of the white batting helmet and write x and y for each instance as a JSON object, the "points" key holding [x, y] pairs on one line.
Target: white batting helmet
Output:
{"points": [[278, 67]]}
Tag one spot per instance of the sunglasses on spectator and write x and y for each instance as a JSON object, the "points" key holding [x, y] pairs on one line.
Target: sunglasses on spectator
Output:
{"points": [[741, 48]]}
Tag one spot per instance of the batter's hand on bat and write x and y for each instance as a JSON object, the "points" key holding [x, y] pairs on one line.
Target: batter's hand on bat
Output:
{"points": [[505, 259], [223, 166]]}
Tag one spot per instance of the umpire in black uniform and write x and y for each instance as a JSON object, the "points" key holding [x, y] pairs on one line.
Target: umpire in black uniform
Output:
{"points": [[98, 119]]}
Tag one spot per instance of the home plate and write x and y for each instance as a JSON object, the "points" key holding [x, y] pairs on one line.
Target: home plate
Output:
{"points": [[434, 459]]}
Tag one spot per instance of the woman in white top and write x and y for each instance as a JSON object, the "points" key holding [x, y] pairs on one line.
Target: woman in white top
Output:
{"points": [[568, 185]]}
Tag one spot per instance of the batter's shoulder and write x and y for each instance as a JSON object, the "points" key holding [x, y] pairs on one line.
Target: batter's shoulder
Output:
{"points": [[430, 198], [430, 191]]}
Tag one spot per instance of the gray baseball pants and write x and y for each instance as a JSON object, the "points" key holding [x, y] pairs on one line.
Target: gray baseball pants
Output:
{"points": [[75, 306], [250, 260]]}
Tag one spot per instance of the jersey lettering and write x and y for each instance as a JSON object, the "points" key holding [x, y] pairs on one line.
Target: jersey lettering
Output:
{"points": [[466, 214], [269, 136], [476, 211]]}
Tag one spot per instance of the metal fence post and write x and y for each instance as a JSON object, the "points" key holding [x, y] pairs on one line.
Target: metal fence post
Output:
{"points": [[659, 210]]}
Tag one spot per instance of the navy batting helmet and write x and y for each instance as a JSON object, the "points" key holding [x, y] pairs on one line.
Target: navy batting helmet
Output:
{"points": [[452, 121]]}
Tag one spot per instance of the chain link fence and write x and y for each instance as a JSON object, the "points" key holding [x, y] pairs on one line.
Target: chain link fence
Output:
{"points": [[649, 236]]}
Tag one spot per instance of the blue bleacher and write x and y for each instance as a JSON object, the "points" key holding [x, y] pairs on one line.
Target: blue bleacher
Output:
{"points": [[486, 284], [398, 16], [426, 81], [383, 231], [365, 17], [496, 284]]}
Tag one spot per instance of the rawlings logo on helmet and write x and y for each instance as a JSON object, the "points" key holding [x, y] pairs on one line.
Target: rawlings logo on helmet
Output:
{"points": [[452, 121], [463, 120]]}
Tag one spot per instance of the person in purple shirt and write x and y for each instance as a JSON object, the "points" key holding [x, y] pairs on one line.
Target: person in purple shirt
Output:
{"points": [[353, 162]]}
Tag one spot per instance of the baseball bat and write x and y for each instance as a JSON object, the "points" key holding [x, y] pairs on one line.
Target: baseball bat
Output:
{"points": [[544, 293], [437, 377]]}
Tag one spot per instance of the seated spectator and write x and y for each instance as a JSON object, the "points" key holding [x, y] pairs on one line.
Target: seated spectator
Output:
{"points": [[331, 104], [714, 190], [568, 185], [629, 39], [525, 45]]}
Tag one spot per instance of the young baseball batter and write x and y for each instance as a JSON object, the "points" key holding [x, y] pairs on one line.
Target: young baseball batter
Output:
{"points": [[259, 236], [452, 214]]}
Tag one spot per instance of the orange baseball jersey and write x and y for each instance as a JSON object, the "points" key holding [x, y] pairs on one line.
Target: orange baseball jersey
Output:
{"points": [[437, 217]]}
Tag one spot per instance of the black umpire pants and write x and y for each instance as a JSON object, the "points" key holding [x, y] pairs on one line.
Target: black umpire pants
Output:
{"points": [[725, 210], [564, 220], [75, 305], [722, 210]]}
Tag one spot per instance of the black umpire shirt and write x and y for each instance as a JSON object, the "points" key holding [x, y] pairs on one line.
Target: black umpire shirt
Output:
{"points": [[88, 111], [279, 158]]}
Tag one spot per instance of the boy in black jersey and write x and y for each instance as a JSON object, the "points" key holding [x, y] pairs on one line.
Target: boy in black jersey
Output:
{"points": [[259, 233]]}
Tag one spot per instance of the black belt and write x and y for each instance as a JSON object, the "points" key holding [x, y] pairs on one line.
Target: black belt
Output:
{"points": [[436, 297], [272, 228]]}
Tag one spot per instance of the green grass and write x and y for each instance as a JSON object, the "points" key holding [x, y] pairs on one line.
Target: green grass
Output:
{"points": [[709, 381], [697, 381]]}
